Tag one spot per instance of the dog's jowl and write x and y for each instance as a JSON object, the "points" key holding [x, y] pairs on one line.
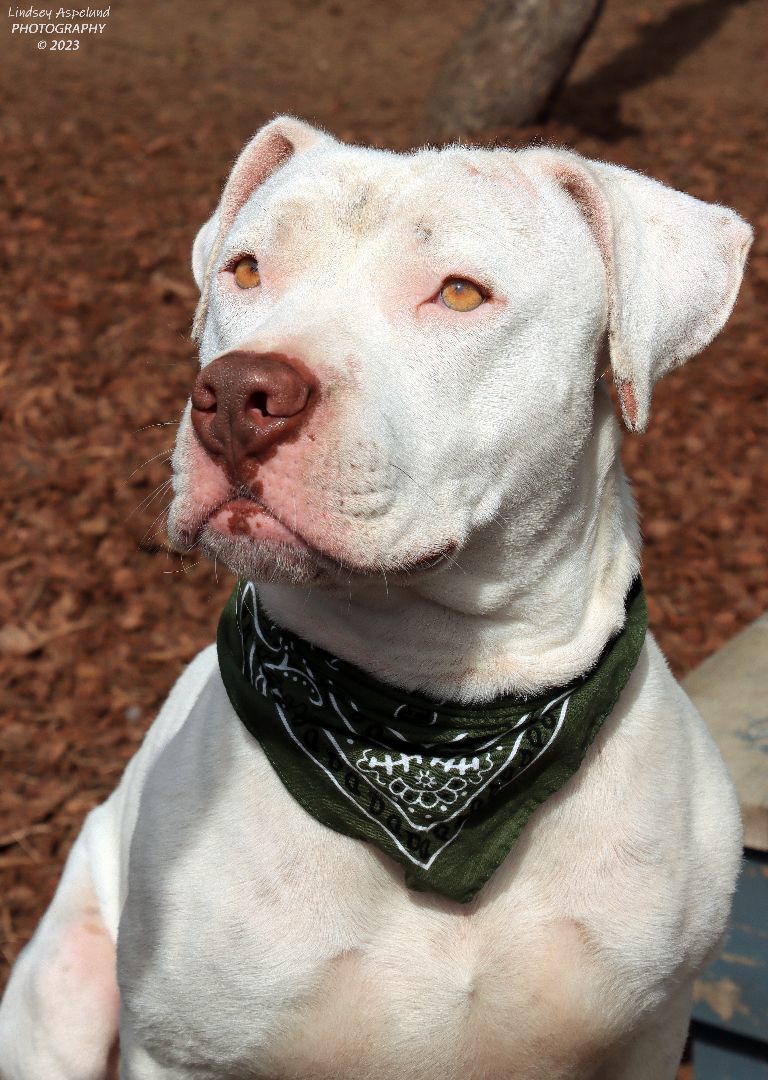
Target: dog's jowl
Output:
{"points": [[432, 806]]}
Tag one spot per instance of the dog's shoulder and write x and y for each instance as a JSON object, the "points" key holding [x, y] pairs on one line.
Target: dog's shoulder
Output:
{"points": [[198, 687], [109, 828]]}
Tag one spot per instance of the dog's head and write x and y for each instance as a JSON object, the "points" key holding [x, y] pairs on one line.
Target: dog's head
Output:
{"points": [[398, 349]]}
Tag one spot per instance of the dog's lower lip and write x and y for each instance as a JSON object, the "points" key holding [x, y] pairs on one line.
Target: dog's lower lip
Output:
{"points": [[244, 516], [243, 506], [432, 558], [414, 566]]}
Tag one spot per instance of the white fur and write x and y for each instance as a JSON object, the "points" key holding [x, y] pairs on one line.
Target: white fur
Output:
{"points": [[254, 942]]}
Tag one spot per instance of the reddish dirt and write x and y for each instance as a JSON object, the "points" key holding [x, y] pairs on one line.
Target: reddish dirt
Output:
{"points": [[111, 159]]}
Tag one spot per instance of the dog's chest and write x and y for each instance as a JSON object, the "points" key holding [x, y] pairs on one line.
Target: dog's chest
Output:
{"points": [[255, 940], [367, 984], [440, 998]]}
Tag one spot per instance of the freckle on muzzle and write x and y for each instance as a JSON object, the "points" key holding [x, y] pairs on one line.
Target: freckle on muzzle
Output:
{"points": [[244, 403]]}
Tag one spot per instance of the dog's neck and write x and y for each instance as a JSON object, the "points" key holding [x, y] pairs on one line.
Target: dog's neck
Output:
{"points": [[515, 614]]}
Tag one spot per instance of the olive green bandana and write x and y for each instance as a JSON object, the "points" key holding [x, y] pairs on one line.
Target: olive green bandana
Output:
{"points": [[444, 789]]}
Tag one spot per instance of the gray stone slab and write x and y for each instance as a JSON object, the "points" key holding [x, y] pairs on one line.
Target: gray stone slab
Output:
{"points": [[730, 690]]}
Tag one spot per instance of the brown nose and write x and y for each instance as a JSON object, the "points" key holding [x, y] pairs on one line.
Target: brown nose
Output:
{"points": [[244, 402]]}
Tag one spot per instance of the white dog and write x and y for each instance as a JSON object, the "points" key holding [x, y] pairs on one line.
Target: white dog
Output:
{"points": [[400, 431]]}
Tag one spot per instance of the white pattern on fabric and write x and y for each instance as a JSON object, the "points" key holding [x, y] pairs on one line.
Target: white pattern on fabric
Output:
{"points": [[423, 793]]}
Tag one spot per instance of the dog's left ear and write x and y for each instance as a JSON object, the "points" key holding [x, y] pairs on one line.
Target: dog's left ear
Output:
{"points": [[673, 264], [269, 148]]}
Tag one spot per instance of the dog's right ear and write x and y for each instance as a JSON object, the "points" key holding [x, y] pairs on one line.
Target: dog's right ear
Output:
{"points": [[269, 148]]}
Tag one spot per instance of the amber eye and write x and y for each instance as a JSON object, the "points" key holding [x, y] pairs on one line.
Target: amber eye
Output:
{"points": [[461, 295], [247, 273]]}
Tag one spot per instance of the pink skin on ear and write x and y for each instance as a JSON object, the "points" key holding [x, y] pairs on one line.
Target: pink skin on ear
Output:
{"points": [[628, 402]]}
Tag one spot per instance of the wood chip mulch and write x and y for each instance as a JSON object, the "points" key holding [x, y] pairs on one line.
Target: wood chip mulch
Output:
{"points": [[111, 159]]}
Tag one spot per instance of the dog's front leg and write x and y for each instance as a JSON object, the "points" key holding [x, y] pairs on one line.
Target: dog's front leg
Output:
{"points": [[655, 1049], [59, 1015], [136, 1063]]}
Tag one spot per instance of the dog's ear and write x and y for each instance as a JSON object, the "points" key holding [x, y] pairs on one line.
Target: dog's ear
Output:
{"points": [[202, 248], [673, 265], [269, 148]]}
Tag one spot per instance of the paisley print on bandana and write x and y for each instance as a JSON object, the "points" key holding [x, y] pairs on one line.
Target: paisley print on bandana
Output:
{"points": [[442, 788]]}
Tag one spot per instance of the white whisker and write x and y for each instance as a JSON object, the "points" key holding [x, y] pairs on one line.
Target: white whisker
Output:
{"points": [[163, 453]]}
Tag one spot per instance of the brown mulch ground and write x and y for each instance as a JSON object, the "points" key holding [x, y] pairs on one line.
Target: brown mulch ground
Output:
{"points": [[111, 158]]}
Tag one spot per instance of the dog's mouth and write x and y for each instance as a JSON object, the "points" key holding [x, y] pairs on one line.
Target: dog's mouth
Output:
{"points": [[241, 522], [246, 516]]}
